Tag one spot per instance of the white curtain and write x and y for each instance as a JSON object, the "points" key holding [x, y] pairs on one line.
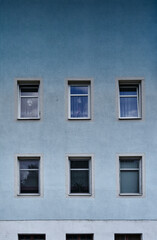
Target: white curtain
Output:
{"points": [[128, 107]]}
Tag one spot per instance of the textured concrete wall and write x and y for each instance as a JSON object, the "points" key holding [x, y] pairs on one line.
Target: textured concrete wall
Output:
{"points": [[58, 229], [55, 40]]}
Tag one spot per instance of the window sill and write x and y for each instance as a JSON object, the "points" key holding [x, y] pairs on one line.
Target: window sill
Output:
{"points": [[79, 118], [29, 195], [130, 194], [79, 194], [130, 118], [28, 118]]}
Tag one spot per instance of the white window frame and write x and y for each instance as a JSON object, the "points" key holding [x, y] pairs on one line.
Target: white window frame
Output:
{"points": [[80, 157], [19, 158], [131, 83], [78, 82], [128, 157], [26, 82]]}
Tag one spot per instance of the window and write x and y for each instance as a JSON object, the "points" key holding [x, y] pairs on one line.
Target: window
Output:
{"points": [[79, 237], [28, 102], [32, 237], [80, 175], [29, 179], [130, 175], [130, 99], [79, 99], [128, 237]]}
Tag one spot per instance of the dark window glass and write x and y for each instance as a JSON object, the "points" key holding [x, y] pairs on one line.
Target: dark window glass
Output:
{"points": [[129, 176], [79, 237], [128, 91], [128, 237], [79, 89], [24, 237], [129, 163], [79, 164], [29, 176], [80, 181], [31, 90], [29, 164], [79, 176], [29, 182], [129, 182], [32, 237]]}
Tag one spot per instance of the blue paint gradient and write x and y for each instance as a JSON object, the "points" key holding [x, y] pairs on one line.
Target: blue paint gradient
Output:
{"points": [[59, 39]]}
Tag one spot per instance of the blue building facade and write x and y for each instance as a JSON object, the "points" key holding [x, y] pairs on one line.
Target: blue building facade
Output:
{"points": [[78, 83]]}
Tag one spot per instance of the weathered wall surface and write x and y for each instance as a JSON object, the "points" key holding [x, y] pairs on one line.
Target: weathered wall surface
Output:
{"points": [[56, 40]]}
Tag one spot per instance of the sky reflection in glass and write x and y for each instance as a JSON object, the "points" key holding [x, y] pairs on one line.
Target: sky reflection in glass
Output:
{"points": [[128, 91], [79, 90]]}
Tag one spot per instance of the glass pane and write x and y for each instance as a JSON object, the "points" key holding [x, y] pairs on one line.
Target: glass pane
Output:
{"points": [[29, 164], [29, 181], [89, 236], [79, 89], [80, 181], [134, 237], [32, 237], [24, 237], [129, 163], [79, 107], [128, 237], [128, 107], [129, 181], [128, 91], [79, 237], [39, 237], [86, 237], [29, 107], [71, 237], [79, 164], [120, 237], [29, 90]]}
